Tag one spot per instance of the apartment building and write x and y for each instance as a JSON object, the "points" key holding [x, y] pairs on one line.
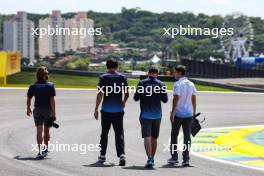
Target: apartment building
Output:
{"points": [[17, 36], [50, 44]]}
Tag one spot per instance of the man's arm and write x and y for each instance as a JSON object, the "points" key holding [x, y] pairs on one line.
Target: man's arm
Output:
{"points": [[30, 94], [99, 98], [125, 97], [194, 104], [174, 106], [53, 106], [29, 111], [137, 94], [164, 95]]}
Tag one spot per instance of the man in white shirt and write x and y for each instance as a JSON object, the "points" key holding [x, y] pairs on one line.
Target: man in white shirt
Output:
{"points": [[183, 109]]}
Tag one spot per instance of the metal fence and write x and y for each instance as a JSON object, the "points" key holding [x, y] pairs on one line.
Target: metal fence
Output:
{"points": [[212, 70], [75, 72]]}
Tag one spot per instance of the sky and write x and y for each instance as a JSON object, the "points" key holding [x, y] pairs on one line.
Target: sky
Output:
{"points": [[210, 7]]}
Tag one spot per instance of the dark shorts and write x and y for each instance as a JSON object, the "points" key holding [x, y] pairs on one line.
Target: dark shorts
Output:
{"points": [[41, 116], [150, 127]]}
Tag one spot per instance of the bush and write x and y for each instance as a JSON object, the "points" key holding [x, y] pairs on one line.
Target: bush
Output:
{"points": [[63, 62], [43, 63], [78, 64]]}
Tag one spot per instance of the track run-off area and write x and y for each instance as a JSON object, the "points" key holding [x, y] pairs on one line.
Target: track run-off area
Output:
{"points": [[231, 118]]}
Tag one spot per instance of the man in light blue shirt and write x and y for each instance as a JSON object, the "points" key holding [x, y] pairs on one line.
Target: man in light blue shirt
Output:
{"points": [[183, 109]]}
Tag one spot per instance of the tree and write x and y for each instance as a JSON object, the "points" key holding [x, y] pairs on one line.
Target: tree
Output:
{"points": [[259, 44], [143, 29], [183, 46]]}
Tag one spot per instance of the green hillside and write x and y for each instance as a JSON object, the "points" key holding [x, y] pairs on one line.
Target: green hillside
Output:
{"points": [[143, 29]]}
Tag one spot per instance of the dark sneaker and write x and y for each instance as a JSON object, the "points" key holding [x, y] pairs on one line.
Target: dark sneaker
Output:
{"points": [[185, 164], [122, 161], [150, 163], [153, 162], [39, 156], [45, 153], [101, 159], [173, 160]]}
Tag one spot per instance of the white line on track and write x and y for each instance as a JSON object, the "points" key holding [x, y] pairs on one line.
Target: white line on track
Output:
{"points": [[224, 161]]}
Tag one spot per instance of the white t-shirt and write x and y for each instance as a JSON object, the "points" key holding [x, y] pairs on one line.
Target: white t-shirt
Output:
{"points": [[184, 88]]}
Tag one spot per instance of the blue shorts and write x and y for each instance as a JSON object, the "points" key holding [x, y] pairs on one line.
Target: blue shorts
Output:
{"points": [[150, 127], [41, 116]]}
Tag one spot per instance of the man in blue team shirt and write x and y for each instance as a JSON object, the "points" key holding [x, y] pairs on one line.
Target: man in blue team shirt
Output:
{"points": [[112, 110], [151, 92], [44, 108]]}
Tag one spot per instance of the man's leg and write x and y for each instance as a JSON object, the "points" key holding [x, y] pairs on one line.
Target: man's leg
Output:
{"points": [[146, 134], [119, 134], [46, 136], [186, 127], [119, 138], [39, 120], [47, 114], [39, 136], [155, 134], [105, 124], [148, 146], [153, 146], [174, 137], [146, 130]]}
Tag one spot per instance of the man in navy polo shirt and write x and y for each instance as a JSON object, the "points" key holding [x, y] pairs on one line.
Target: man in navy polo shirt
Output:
{"points": [[44, 107], [112, 86], [151, 92]]}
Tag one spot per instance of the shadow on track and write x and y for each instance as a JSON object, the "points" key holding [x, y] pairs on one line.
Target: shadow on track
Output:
{"points": [[166, 166], [98, 164], [137, 168], [18, 157]]}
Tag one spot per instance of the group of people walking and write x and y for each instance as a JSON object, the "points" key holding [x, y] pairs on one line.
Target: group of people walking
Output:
{"points": [[150, 92]]}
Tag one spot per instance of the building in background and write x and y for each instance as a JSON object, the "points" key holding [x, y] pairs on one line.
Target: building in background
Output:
{"points": [[80, 21], [18, 36], [51, 44]]}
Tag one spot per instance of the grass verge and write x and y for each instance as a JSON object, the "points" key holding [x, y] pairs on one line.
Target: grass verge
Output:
{"points": [[24, 79]]}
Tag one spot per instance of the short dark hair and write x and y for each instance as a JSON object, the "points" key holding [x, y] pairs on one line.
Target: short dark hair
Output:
{"points": [[153, 70], [111, 64], [180, 69]]}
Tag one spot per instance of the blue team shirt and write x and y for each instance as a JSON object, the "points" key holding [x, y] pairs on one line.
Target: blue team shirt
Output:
{"points": [[113, 102], [42, 91], [150, 104]]}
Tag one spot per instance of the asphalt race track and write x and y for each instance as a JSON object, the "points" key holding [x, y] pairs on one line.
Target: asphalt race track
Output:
{"points": [[75, 116]]}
